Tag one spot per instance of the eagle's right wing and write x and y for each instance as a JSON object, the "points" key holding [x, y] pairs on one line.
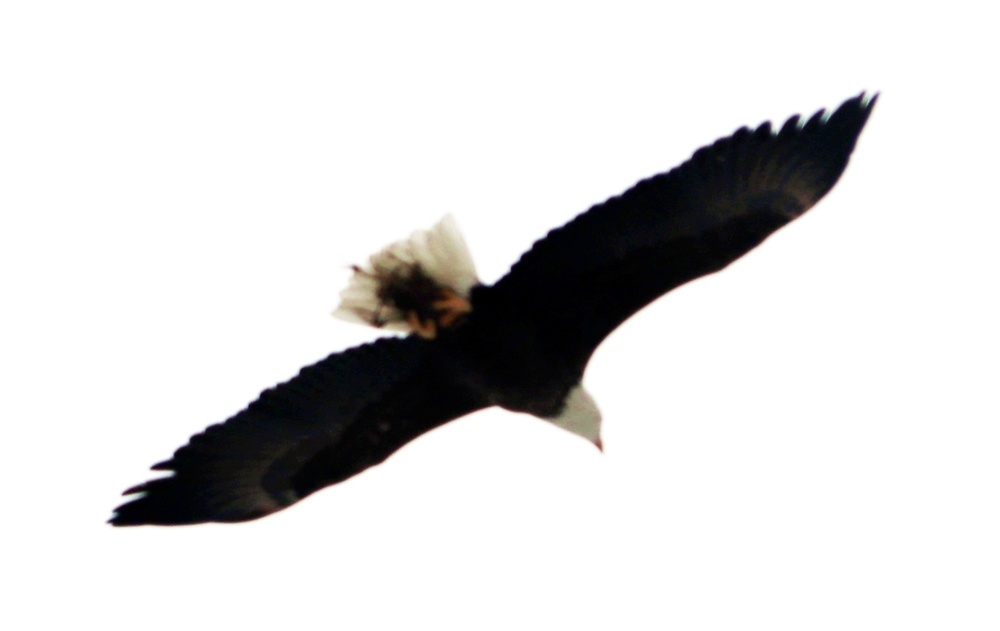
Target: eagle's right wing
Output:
{"points": [[335, 419]]}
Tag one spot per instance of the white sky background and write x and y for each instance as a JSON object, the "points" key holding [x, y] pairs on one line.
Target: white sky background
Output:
{"points": [[808, 440]]}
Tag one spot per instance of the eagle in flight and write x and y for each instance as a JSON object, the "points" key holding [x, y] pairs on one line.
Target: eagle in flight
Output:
{"points": [[522, 344]]}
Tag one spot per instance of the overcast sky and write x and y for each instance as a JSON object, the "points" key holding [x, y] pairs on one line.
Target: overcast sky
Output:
{"points": [[808, 440]]}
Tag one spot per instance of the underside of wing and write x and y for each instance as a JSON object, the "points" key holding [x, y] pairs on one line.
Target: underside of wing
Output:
{"points": [[584, 279], [335, 419]]}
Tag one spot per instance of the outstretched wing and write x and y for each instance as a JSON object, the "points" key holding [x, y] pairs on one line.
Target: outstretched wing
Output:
{"points": [[584, 279], [335, 419]]}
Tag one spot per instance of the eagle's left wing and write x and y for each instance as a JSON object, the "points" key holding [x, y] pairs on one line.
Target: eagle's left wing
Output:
{"points": [[584, 279]]}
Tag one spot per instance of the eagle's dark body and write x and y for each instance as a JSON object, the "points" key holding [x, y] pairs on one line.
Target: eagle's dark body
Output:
{"points": [[522, 344]]}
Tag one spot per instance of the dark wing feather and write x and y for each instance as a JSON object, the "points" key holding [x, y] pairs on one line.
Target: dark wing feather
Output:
{"points": [[584, 279], [336, 418]]}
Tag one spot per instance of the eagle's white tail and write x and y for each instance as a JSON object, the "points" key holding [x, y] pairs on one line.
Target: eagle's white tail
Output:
{"points": [[438, 254]]}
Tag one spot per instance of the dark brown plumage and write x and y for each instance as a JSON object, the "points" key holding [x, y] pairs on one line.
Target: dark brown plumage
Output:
{"points": [[523, 343]]}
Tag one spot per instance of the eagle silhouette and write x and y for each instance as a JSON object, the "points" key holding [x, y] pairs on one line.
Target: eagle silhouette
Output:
{"points": [[522, 344]]}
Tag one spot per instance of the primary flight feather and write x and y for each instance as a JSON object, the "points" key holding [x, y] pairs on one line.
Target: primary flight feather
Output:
{"points": [[522, 344]]}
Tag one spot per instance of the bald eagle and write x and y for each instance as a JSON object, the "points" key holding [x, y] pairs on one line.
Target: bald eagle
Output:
{"points": [[522, 344]]}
